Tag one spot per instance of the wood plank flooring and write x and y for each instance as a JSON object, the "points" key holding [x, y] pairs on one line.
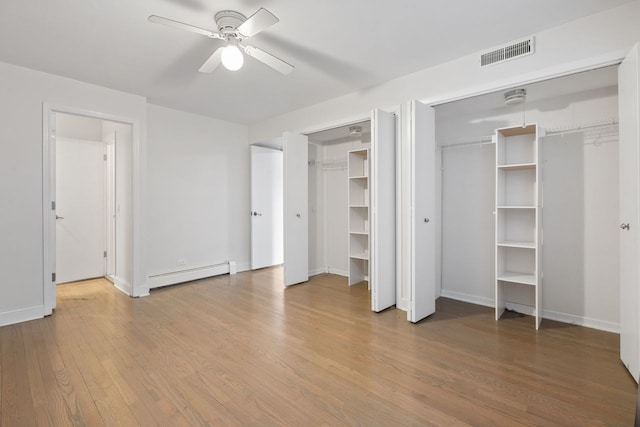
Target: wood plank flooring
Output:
{"points": [[243, 351]]}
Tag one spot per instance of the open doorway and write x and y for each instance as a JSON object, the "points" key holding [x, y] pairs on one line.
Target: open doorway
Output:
{"points": [[85, 199], [329, 207], [327, 198], [88, 175]]}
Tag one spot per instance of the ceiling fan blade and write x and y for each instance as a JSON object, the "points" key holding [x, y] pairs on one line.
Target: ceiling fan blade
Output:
{"points": [[213, 61], [257, 22], [181, 25], [266, 58]]}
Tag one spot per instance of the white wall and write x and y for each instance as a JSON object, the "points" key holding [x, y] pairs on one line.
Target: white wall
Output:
{"points": [[580, 214], [198, 192], [21, 105]]}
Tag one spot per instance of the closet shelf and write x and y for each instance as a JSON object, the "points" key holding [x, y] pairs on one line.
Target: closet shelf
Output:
{"points": [[361, 255], [519, 166], [524, 279], [359, 233], [359, 177], [515, 244], [517, 216], [359, 206]]}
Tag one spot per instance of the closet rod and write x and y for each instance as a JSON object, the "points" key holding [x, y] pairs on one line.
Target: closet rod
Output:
{"points": [[480, 140], [484, 140], [581, 128]]}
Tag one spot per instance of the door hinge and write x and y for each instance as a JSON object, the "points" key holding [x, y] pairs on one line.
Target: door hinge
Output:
{"points": [[53, 277], [53, 206], [105, 254]]}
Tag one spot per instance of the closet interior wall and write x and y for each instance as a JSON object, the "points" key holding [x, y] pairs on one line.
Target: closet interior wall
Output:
{"points": [[580, 198], [328, 205]]}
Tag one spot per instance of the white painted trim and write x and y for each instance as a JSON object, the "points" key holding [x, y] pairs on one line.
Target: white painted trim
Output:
{"points": [[122, 285], [181, 276], [48, 223], [587, 322], [586, 64], [138, 170], [357, 118], [338, 272], [571, 319], [22, 315], [473, 299], [243, 266], [316, 271]]}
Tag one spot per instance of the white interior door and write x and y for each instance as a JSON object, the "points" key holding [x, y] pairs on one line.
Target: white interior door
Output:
{"points": [[266, 207], [382, 278], [629, 111], [422, 286], [296, 206], [80, 210]]}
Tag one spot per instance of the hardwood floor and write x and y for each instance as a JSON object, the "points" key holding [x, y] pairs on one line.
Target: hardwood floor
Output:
{"points": [[241, 350]]}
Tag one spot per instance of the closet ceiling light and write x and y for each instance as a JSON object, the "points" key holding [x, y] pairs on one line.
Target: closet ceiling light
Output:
{"points": [[355, 131], [515, 96]]}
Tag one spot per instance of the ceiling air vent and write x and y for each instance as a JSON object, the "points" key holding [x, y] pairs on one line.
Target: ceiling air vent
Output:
{"points": [[509, 51]]}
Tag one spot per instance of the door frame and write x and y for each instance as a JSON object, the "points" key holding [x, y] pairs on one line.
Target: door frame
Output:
{"points": [[592, 63], [401, 299], [139, 286]]}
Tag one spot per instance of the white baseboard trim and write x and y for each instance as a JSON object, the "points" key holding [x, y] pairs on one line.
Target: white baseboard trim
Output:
{"points": [[11, 317], [243, 266], [473, 299], [587, 322], [328, 270], [122, 285], [572, 319], [520, 308], [338, 272], [175, 277], [317, 271], [141, 291]]}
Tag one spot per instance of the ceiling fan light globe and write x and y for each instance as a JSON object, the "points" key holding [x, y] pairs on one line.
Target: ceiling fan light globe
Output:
{"points": [[232, 58]]}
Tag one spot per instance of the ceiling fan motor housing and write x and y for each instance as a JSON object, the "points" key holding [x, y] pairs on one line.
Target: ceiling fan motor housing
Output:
{"points": [[228, 22]]}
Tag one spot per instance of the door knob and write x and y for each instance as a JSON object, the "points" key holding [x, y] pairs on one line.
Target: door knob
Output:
{"points": [[59, 217], [426, 220], [298, 215], [256, 214], [624, 226]]}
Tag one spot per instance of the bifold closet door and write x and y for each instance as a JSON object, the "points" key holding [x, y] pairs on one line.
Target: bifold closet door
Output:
{"points": [[296, 223], [629, 112], [382, 263], [422, 286]]}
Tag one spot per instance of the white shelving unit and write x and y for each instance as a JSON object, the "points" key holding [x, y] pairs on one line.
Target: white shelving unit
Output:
{"points": [[358, 167], [518, 218]]}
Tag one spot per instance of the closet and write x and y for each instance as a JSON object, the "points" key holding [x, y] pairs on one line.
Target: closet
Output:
{"points": [[352, 205], [536, 230]]}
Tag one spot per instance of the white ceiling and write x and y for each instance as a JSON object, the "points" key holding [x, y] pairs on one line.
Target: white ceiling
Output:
{"points": [[337, 46], [580, 84], [341, 134]]}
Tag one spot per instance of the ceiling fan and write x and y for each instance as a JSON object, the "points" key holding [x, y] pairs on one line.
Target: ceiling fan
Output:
{"points": [[233, 28]]}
